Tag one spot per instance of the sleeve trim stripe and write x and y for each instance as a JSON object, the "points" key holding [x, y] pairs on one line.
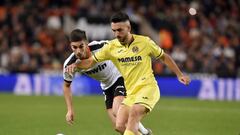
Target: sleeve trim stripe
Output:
{"points": [[67, 81], [146, 105], [95, 57], [160, 53], [71, 59]]}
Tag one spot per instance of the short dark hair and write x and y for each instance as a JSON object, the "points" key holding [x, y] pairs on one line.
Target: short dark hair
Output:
{"points": [[119, 17], [77, 35]]}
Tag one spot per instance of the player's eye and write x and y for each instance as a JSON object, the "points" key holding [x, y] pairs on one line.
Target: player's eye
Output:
{"points": [[117, 30], [81, 46]]}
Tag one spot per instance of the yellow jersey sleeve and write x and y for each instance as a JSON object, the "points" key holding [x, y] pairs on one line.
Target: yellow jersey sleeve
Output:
{"points": [[102, 54], [154, 49]]}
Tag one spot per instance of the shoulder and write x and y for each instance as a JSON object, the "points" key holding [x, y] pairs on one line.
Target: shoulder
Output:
{"points": [[113, 41], [71, 59], [113, 44], [95, 45], [101, 42], [141, 38]]}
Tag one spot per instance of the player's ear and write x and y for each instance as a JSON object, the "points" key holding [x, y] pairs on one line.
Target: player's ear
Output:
{"points": [[71, 46], [128, 25], [129, 28]]}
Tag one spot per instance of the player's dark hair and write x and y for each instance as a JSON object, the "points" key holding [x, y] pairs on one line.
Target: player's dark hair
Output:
{"points": [[119, 17], [77, 35]]}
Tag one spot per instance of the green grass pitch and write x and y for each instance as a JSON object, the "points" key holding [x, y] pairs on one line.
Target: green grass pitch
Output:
{"points": [[45, 115]]}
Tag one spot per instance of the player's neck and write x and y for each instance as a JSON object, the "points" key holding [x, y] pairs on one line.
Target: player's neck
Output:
{"points": [[130, 39], [88, 54]]}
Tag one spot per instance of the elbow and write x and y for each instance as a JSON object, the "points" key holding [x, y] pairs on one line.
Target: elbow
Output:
{"points": [[166, 58]]}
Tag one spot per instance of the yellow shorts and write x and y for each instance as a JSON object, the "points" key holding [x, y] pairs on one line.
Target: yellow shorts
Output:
{"points": [[147, 96]]}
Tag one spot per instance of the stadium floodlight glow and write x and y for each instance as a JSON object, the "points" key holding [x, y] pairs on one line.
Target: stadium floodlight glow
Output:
{"points": [[192, 11]]}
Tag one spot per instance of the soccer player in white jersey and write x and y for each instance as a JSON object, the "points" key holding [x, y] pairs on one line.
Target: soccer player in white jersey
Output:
{"points": [[112, 82]]}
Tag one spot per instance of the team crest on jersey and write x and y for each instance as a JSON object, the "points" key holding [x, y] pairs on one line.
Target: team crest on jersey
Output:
{"points": [[135, 49]]}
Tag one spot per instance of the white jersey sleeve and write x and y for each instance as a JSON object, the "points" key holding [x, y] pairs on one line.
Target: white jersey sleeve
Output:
{"points": [[70, 60]]}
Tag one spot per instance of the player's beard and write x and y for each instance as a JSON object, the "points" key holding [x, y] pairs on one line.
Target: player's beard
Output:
{"points": [[122, 40], [81, 55]]}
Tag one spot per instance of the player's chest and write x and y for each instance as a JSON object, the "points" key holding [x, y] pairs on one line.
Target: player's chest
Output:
{"points": [[133, 50], [130, 56]]}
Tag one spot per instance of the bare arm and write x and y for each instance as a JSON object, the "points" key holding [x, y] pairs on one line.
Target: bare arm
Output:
{"points": [[173, 66], [68, 99]]}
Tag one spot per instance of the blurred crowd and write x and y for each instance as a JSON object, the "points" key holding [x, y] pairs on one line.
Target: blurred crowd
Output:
{"points": [[202, 36]]}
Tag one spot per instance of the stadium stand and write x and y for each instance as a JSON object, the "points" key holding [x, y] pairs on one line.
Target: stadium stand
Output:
{"points": [[33, 33]]}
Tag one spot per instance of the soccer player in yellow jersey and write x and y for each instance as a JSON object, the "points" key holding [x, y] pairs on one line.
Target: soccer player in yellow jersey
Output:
{"points": [[132, 55]]}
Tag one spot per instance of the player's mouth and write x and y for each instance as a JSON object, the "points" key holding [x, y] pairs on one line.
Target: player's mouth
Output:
{"points": [[120, 38], [79, 56]]}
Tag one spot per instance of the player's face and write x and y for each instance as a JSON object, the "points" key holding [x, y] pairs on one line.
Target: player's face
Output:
{"points": [[121, 31], [80, 49]]}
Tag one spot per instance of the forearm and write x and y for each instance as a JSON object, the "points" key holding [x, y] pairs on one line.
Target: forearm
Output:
{"points": [[171, 65], [68, 97]]}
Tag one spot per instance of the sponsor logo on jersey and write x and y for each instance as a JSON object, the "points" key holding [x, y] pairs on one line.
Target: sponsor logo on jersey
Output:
{"points": [[130, 59], [99, 68]]}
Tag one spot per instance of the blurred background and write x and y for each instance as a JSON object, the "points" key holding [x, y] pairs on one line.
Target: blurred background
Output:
{"points": [[202, 36]]}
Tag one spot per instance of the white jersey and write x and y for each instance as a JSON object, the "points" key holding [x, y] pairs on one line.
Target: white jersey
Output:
{"points": [[105, 71]]}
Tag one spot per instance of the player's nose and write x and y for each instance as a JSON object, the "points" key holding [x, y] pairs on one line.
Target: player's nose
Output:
{"points": [[117, 34], [78, 51]]}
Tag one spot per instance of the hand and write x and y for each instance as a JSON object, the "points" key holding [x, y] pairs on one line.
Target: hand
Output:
{"points": [[70, 117], [71, 69], [184, 79]]}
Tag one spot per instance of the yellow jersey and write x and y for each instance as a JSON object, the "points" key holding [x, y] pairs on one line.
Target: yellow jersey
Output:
{"points": [[133, 61]]}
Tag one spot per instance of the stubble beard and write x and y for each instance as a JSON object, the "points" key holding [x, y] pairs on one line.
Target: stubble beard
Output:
{"points": [[123, 41]]}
